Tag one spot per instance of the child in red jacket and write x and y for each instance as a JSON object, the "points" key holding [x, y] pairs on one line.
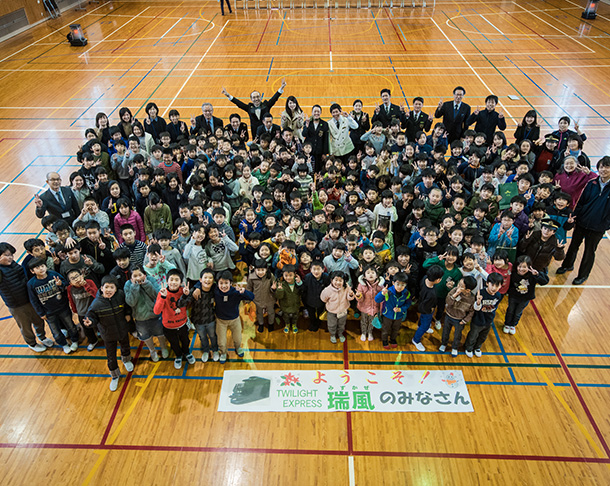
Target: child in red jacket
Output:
{"points": [[174, 317]]}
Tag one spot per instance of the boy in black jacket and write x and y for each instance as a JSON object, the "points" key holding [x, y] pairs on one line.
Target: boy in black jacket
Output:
{"points": [[489, 298], [313, 284]]}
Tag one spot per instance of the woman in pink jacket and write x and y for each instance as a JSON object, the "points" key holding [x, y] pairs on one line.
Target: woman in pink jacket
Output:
{"points": [[573, 178], [127, 215], [336, 297], [369, 285]]}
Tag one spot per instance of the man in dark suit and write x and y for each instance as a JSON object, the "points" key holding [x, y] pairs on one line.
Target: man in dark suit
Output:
{"points": [[268, 127], [257, 108], [455, 114], [315, 132], [417, 120], [387, 111], [238, 128], [58, 201], [205, 124], [488, 120]]}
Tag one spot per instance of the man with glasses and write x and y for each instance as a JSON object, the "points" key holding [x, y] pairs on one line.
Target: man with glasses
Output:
{"points": [[206, 124], [57, 200]]}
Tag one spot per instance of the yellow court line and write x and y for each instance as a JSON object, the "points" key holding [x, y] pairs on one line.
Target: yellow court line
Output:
{"points": [[557, 393]]}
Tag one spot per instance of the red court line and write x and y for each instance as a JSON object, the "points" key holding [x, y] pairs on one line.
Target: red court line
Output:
{"points": [[264, 30], [571, 380], [527, 27], [397, 35], [120, 400], [315, 452], [350, 436]]}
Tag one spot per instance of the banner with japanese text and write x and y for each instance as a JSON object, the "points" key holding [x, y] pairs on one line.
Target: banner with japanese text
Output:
{"points": [[344, 391]]}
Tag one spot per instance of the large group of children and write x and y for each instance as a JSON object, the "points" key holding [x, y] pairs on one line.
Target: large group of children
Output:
{"points": [[355, 216]]}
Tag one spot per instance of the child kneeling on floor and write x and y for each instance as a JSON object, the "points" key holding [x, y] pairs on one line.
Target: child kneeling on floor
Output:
{"points": [[483, 319], [336, 297]]}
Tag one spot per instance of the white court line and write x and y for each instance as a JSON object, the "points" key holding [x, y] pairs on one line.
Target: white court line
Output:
{"points": [[168, 30], [54, 32], [111, 33], [352, 473], [469, 65], [18, 184], [501, 33], [330, 53], [558, 30], [574, 287], [194, 69]]}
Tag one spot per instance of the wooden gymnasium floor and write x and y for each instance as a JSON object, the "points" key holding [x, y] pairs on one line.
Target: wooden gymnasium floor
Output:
{"points": [[540, 397]]}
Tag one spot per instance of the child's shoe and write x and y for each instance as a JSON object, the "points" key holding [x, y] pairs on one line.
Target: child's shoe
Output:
{"points": [[418, 346], [240, 352], [164, 352], [506, 329], [67, 349], [270, 327], [363, 337], [512, 330], [477, 353], [128, 366], [91, 346], [393, 344], [38, 348], [205, 357], [305, 313], [191, 359], [438, 325], [286, 328], [261, 328], [178, 363], [430, 331], [371, 336], [74, 345], [442, 348], [295, 329], [454, 353], [333, 339], [215, 356], [342, 339], [114, 384], [47, 342], [386, 346], [223, 358], [469, 353]]}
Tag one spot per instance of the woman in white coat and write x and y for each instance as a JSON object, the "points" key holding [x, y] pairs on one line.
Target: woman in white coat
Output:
{"points": [[340, 142]]}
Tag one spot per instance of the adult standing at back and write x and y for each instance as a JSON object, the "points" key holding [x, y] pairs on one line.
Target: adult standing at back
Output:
{"points": [[454, 114], [592, 218], [488, 121], [206, 123], [57, 200], [388, 111], [257, 107], [316, 133], [340, 144]]}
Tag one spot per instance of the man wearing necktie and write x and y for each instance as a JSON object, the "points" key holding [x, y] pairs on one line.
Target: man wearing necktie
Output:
{"points": [[206, 123], [417, 120], [387, 111], [268, 127], [57, 200], [454, 114]]}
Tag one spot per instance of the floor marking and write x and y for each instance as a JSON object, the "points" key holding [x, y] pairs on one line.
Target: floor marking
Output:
{"points": [[167, 31], [19, 184], [351, 472]]}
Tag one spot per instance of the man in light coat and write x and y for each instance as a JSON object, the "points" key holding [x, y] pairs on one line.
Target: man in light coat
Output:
{"points": [[340, 142]]}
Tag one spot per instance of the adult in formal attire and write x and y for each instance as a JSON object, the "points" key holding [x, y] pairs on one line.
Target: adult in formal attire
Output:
{"points": [[57, 200], [175, 127], [454, 114], [293, 117], [206, 123], [153, 123], [340, 142], [257, 108], [364, 125], [268, 127], [417, 120], [387, 111], [488, 121], [592, 220], [316, 133], [238, 128]]}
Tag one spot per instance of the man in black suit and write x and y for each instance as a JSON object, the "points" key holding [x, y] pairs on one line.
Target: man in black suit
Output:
{"points": [[417, 120], [238, 128], [205, 124], [268, 127], [455, 114], [387, 111], [315, 132], [257, 108], [58, 201], [488, 120]]}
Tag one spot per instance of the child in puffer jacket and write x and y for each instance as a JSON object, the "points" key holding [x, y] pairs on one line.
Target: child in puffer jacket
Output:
{"points": [[336, 297], [369, 285]]}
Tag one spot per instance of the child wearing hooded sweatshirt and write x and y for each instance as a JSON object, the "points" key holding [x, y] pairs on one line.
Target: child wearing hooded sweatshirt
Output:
{"points": [[262, 284], [336, 297], [369, 285], [395, 302]]}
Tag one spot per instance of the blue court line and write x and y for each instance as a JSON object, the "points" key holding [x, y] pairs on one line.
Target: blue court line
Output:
{"points": [[185, 32], [377, 25], [19, 234], [87, 109], [510, 370], [399, 83], [466, 19], [170, 29], [414, 40], [133, 89], [602, 116], [130, 68], [281, 27], [537, 86], [17, 176], [186, 365], [269, 72], [543, 67]]}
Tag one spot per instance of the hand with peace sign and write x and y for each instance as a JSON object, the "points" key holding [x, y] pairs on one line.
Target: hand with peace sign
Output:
{"points": [[186, 290], [58, 281], [163, 291]]}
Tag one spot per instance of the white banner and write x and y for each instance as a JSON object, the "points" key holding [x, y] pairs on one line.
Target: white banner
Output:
{"points": [[344, 391]]}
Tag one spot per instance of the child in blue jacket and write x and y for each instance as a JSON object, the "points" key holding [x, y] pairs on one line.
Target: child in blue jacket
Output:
{"points": [[395, 302]]}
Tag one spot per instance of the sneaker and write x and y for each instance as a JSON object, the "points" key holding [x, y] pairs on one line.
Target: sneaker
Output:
{"points": [[114, 384], [506, 329], [363, 337], [270, 327], [261, 328], [178, 363], [295, 329], [191, 359], [342, 339], [91, 346], [454, 353], [418, 346], [442, 348], [562, 270], [164, 352], [154, 356], [469, 353], [67, 349], [386, 346], [305, 313], [438, 325], [333, 339], [371, 337], [223, 358], [240, 353], [512, 330], [135, 334], [215, 356], [47, 342], [205, 357], [430, 331], [128, 366], [393, 344], [477, 353], [38, 348], [74, 346], [286, 329]]}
